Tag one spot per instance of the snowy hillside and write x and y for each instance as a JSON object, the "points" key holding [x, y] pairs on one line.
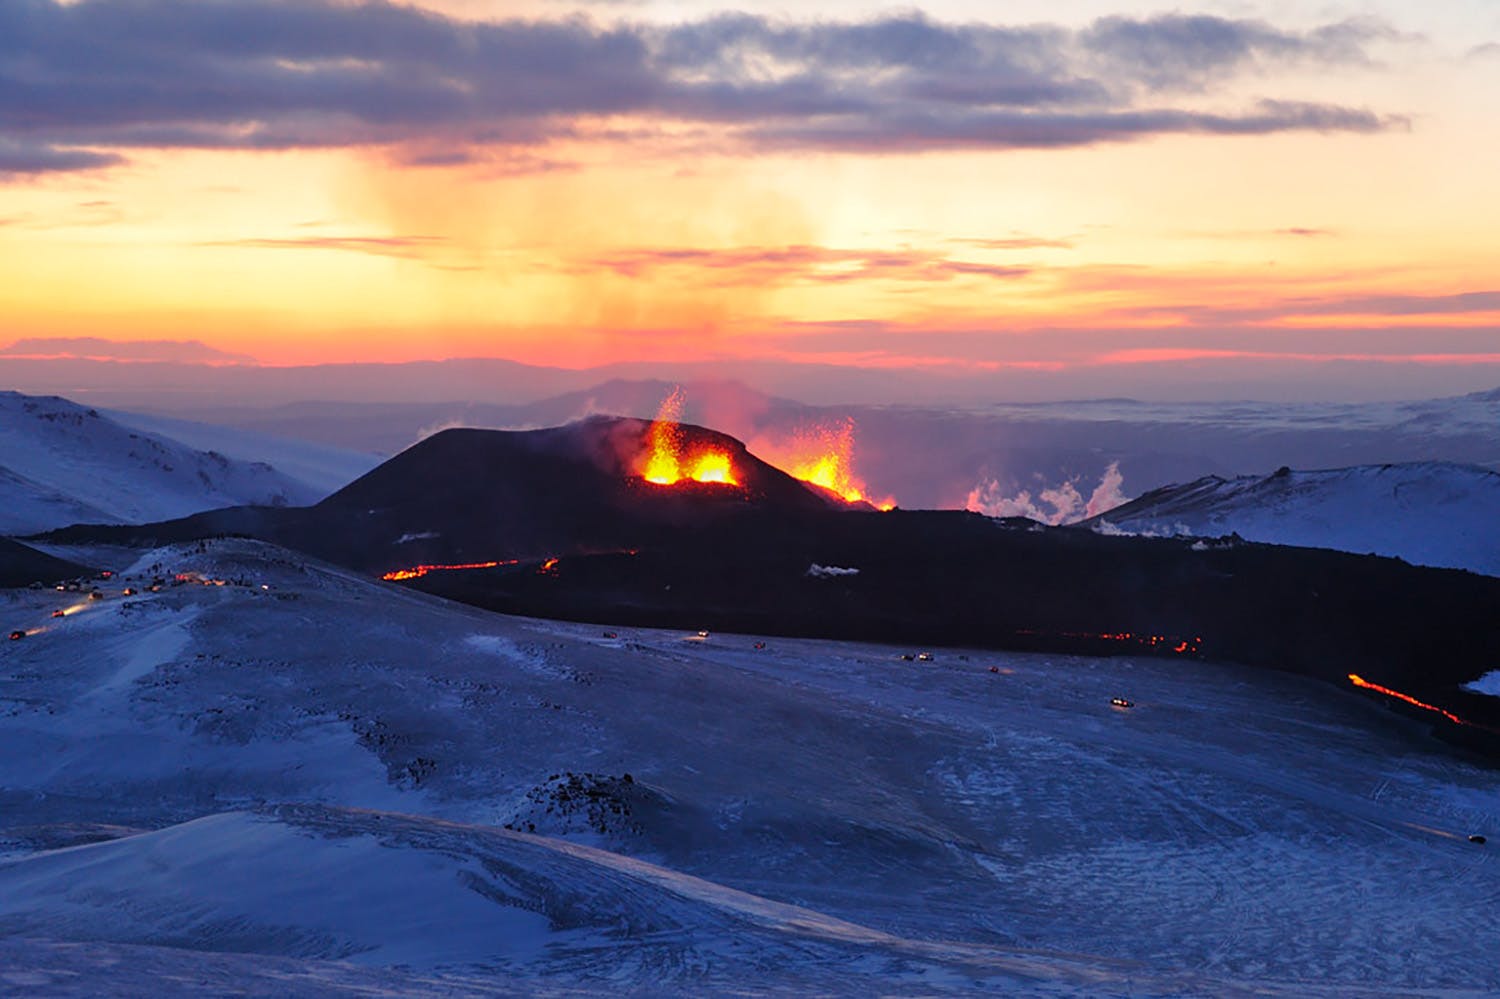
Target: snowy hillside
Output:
{"points": [[325, 468], [319, 784], [1426, 513], [61, 463]]}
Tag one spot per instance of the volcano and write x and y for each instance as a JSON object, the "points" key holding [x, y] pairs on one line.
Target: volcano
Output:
{"points": [[463, 497], [564, 523]]}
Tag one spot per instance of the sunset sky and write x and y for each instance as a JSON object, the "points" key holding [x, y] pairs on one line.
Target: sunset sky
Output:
{"points": [[955, 185]]}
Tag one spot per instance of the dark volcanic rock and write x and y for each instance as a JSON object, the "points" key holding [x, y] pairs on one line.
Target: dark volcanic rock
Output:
{"points": [[21, 565], [946, 578]]}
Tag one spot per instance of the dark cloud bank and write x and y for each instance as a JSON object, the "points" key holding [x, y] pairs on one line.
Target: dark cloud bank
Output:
{"points": [[81, 83]]}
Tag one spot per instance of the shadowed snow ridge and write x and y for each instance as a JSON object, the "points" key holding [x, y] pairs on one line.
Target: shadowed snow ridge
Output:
{"points": [[62, 463], [1427, 513]]}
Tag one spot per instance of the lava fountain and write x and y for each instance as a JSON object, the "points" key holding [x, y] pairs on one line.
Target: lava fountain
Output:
{"points": [[670, 460], [824, 456]]}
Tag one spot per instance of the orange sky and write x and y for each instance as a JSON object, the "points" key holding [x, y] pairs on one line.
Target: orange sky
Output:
{"points": [[659, 233]]}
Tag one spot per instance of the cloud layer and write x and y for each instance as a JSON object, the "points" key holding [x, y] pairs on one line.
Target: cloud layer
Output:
{"points": [[95, 348], [817, 264], [82, 82]]}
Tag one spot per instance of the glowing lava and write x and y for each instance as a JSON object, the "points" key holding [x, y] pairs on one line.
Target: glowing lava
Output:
{"points": [[713, 466], [669, 461], [1154, 643], [418, 571], [1360, 681], [824, 456], [663, 465]]}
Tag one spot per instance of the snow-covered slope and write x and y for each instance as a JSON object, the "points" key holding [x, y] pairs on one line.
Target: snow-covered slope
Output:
{"points": [[303, 766], [325, 468], [1429, 513], [61, 463]]}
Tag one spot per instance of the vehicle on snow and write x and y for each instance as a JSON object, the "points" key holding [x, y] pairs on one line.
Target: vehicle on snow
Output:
{"points": [[1476, 838], [16, 636], [59, 613], [1121, 702], [924, 657]]}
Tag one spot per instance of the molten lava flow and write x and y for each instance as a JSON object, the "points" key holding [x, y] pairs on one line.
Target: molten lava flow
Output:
{"points": [[1360, 681], [669, 460], [418, 571], [824, 456]]}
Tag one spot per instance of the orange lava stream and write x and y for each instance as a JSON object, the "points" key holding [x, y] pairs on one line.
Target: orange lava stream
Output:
{"points": [[418, 571], [1360, 681], [666, 460]]}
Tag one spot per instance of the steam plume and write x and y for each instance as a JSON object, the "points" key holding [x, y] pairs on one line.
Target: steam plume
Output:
{"points": [[1060, 504]]}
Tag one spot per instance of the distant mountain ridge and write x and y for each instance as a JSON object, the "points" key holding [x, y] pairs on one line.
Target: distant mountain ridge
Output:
{"points": [[1428, 513], [935, 454]]}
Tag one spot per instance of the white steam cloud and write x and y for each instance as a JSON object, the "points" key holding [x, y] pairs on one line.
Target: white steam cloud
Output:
{"points": [[1061, 504], [455, 423], [817, 571]]}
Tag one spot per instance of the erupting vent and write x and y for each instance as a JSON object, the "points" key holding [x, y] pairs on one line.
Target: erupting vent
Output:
{"points": [[668, 461], [824, 456]]}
